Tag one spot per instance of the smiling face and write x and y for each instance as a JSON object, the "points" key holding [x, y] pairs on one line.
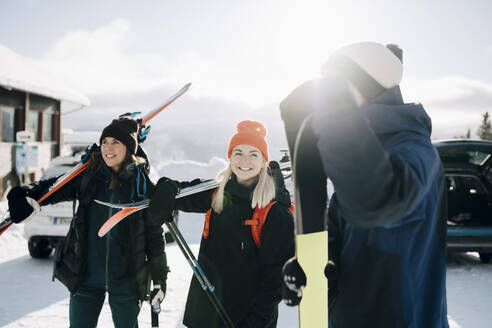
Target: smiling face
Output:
{"points": [[246, 163], [113, 153]]}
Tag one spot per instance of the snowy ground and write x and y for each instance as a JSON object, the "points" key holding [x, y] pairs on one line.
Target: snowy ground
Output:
{"points": [[28, 298]]}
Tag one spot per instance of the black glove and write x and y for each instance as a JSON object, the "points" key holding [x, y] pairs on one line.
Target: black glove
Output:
{"points": [[163, 200], [294, 280], [21, 207], [295, 108], [313, 95], [331, 271]]}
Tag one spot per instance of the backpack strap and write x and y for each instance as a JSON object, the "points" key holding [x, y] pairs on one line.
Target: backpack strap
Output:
{"points": [[84, 183], [257, 222], [86, 177], [206, 228]]}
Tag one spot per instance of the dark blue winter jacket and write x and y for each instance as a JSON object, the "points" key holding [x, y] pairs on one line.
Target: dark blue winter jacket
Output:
{"points": [[387, 218]]}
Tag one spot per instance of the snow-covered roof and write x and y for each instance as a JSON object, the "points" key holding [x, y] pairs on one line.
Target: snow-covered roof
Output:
{"points": [[80, 137], [20, 73]]}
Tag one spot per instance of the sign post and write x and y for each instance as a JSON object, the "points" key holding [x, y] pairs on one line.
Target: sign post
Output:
{"points": [[26, 154]]}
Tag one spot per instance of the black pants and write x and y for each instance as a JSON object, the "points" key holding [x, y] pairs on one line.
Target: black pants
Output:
{"points": [[86, 304]]}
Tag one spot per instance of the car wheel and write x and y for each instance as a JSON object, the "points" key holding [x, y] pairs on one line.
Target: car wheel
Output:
{"points": [[485, 257], [39, 248]]}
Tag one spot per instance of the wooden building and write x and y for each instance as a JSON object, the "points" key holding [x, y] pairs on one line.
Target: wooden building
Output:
{"points": [[30, 101]]}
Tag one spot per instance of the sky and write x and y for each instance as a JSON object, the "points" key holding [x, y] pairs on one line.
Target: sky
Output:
{"points": [[244, 57]]}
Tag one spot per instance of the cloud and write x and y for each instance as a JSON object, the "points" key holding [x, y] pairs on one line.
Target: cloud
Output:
{"points": [[103, 64], [455, 103], [99, 61]]}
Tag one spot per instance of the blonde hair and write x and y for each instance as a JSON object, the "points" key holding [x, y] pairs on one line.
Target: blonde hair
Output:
{"points": [[262, 195]]}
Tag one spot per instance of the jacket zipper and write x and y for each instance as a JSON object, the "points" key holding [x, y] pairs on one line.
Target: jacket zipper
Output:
{"points": [[108, 236]]}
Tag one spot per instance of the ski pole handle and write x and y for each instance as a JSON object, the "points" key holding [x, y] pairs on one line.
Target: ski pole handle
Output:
{"points": [[156, 308], [154, 318]]}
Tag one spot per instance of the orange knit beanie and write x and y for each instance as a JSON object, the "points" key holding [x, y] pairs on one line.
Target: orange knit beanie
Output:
{"points": [[249, 133]]}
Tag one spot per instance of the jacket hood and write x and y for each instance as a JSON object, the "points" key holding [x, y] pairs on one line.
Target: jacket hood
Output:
{"points": [[236, 189], [282, 195], [388, 114]]}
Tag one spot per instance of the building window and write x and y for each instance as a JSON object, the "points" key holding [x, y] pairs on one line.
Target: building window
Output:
{"points": [[34, 124], [8, 129], [47, 127]]}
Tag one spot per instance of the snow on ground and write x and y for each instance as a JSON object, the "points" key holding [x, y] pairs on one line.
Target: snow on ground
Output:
{"points": [[28, 297]]}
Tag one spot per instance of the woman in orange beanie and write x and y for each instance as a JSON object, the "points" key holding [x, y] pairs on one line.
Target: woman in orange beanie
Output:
{"points": [[241, 259]]}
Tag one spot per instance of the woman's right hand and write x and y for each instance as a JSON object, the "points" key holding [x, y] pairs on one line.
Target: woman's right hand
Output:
{"points": [[163, 200], [21, 207]]}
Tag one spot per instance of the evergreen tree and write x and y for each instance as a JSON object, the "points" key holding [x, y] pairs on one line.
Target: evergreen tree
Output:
{"points": [[464, 136], [485, 129]]}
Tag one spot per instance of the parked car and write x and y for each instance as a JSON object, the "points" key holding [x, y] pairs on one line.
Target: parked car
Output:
{"points": [[468, 169], [45, 230]]}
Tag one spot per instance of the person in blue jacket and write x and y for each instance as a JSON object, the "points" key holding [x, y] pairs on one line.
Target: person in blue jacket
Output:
{"points": [[387, 217]]}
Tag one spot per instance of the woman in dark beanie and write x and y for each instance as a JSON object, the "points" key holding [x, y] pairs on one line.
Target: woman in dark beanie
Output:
{"points": [[245, 270], [121, 262]]}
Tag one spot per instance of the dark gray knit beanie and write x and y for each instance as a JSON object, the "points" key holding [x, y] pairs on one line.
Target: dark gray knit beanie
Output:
{"points": [[123, 129]]}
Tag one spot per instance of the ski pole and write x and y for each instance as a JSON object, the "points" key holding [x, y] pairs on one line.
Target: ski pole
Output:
{"points": [[199, 274], [154, 317]]}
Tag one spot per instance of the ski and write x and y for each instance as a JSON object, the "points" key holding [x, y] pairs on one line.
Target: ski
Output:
{"points": [[310, 196], [79, 168], [5, 224], [60, 182], [153, 113], [206, 185], [131, 208]]}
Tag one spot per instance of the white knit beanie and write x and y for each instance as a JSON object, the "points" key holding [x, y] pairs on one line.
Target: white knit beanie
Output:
{"points": [[371, 66]]}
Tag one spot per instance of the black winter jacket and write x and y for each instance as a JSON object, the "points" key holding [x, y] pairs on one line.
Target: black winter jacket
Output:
{"points": [[136, 245], [247, 279]]}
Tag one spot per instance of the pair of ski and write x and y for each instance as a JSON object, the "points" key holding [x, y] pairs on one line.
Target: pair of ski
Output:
{"points": [[310, 195], [82, 166]]}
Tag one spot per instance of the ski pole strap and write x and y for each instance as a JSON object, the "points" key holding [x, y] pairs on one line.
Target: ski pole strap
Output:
{"points": [[142, 133], [141, 183]]}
